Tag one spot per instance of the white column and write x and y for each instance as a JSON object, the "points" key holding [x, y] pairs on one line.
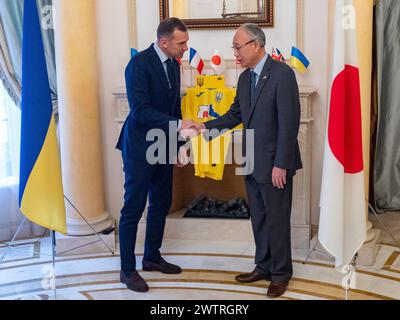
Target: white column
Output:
{"points": [[80, 133]]}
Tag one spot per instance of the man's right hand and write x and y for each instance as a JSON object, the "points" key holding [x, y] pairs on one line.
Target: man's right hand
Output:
{"points": [[190, 129]]}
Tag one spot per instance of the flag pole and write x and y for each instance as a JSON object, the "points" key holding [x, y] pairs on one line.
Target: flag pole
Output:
{"points": [[53, 250], [349, 274]]}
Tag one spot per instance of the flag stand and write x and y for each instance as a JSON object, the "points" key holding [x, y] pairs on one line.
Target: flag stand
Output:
{"points": [[384, 226], [11, 246], [91, 227], [354, 264], [397, 244], [311, 251], [349, 276]]}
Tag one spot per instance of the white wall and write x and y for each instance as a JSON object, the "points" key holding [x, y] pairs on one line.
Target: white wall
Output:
{"points": [[283, 35], [316, 47], [113, 43]]}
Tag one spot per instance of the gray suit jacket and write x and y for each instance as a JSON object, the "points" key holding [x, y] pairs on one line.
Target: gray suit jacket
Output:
{"points": [[274, 116]]}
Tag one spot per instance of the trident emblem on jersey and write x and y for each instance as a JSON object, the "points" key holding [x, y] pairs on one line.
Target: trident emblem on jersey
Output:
{"points": [[200, 81], [218, 97]]}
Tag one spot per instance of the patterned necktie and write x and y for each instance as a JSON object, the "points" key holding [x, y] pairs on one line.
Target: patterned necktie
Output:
{"points": [[171, 74]]}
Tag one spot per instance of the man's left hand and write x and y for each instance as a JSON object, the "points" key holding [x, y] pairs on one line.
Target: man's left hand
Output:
{"points": [[190, 129], [279, 177], [183, 158]]}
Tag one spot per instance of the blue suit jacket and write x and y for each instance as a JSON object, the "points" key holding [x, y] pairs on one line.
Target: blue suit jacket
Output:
{"points": [[152, 104]]}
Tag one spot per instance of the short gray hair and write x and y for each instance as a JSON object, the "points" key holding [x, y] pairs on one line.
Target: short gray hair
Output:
{"points": [[255, 32]]}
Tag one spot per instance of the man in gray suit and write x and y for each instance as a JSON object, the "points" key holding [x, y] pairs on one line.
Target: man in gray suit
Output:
{"points": [[267, 101]]}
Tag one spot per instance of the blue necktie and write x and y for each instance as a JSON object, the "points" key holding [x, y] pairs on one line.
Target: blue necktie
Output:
{"points": [[253, 81]]}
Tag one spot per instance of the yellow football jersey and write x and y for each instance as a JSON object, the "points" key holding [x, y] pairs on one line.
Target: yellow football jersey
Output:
{"points": [[202, 105]]}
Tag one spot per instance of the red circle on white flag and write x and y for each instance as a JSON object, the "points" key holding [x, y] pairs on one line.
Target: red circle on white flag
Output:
{"points": [[345, 125], [216, 60]]}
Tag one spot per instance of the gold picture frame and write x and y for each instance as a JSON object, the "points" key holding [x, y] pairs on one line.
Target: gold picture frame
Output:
{"points": [[260, 12]]}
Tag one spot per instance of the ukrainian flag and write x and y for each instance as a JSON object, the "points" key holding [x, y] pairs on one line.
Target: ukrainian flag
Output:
{"points": [[299, 61], [41, 193], [134, 52]]}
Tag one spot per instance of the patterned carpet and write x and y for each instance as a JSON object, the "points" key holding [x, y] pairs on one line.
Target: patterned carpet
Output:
{"points": [[208, 274]]}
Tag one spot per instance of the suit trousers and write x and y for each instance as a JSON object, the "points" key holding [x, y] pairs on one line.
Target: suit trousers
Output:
{"points": [[270, 211], [144, 181]]}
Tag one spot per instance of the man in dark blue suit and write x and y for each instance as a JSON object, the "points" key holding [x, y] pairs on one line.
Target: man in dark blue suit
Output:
{"points": [[153, 88]]}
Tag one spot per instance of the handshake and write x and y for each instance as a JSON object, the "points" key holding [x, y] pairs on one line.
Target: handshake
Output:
{"points": [[190, 129]]}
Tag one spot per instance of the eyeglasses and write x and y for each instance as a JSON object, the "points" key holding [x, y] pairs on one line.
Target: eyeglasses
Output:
{"points": [[237, 48]]}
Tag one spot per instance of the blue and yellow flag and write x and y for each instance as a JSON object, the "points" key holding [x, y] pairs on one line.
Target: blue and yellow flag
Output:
{"points": [[41, 193], [299, 61], [134, 52]]}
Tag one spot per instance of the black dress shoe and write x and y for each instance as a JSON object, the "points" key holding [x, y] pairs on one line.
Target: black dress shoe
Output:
{"points": [[162, 266], [251, 277], [134, 282], [277, 288]]}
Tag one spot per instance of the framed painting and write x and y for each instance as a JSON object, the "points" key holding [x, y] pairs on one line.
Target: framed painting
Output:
{"points": [[218, 14]]}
